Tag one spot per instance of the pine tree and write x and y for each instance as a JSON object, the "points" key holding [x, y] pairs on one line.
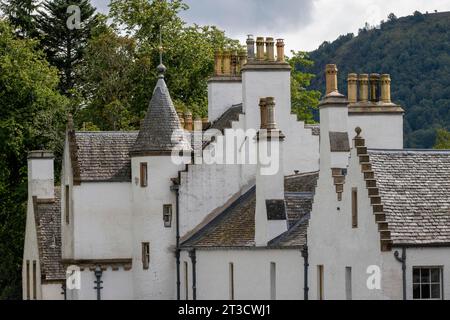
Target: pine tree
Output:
{"points": [[21, 15], [65, 35]]}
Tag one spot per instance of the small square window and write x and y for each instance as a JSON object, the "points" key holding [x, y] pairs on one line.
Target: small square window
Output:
{"points": [[167, 215]]}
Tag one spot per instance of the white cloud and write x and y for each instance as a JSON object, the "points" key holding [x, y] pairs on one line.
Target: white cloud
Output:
{"points": [[304, 24]]}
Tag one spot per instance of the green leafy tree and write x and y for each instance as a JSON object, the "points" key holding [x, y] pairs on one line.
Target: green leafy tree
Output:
{"points": [[304, 101], [32, 114], [63, 40], [21, 15], [119, 69], [442, 139]]}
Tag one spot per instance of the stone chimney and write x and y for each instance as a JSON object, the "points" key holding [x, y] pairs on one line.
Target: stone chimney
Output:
{"points": [[364, 87], [181, 118], [270, 214], [218, 60], [41, 180], [260, 54], [270, 49], [263, 112], [188, 121], [250, 48], [374, 83], [334, 140], [375, 114], [385, 81], [331, 78], [242, 59], [352, 82], [280, 50], [227, 63]]}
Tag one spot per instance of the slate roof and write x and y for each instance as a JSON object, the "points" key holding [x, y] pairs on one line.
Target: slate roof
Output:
{"points": [[104, 156], [161, 130], [305, 182], [415, 191], [235, 226], [225, 120], [48, 225]]}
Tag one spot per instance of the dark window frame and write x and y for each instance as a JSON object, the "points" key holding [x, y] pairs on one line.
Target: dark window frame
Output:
{"points": [[426, 282], [354, 208], [144, 174], [146, 255], [167, 215]]}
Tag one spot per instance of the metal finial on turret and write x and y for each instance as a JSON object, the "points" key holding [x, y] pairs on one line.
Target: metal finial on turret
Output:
{"points": [[161, 69]]}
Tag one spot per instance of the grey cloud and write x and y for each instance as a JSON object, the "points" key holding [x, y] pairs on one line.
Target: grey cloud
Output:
{"points": [[239, 17], [247, 16]]}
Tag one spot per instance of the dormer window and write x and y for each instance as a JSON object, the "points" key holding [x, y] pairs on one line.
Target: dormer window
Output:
{"points": [[167, 215], [144, 175]]}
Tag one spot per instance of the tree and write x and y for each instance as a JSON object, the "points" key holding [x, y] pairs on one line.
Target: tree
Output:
{"points": [[21, 15], [304, 101], [392, 17], [442, 139], [119, 70], [32, 114], [62, 38]]}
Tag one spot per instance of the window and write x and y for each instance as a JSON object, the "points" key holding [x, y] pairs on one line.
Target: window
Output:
{"points": [[348, 283], [144, 175], [355, 208], [34, 281], [167, 215], [273, 281], [145, 255], [231, 281], [320, 293], [28, 279], [427, 283], [67, 209], [186, 280]]}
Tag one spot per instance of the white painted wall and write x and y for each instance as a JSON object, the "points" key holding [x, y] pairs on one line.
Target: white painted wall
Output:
{"points": [[117, 285], [301, 150], [102, 220], [251, 274], [52, 291], [381, 131], [222, 94], [158, 282]]}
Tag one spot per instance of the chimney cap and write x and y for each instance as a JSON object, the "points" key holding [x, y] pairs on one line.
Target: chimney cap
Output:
{"points": [[374, 76], [262, 101], [352, 76], [331, 67], [41, 154], [363, 76], [385, 76]]}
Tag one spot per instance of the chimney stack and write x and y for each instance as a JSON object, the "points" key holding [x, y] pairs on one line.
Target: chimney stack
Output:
{"points": [[234, 63], [374, 81], [270, 115], [352, 82], [263, 112], [280, 50], [385, 88], [189, 125], [364, 87], [260, 54], [242, 60], [41, 180], [270, 49], [250, 48], [218, 63], [331, 78], [227, 63]]}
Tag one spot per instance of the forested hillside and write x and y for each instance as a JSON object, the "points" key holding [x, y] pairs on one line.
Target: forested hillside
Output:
{"points": [[415, 50]]}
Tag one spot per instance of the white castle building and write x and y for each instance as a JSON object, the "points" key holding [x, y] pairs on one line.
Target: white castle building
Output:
{"points": [[348, 214]]}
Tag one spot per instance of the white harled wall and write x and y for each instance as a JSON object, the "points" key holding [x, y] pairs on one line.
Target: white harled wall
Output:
{"points": [[222, 94], [251, 274], [158, 282]]}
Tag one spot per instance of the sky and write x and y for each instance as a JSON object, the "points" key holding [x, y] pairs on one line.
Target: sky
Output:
{"points": [[304, 24]]}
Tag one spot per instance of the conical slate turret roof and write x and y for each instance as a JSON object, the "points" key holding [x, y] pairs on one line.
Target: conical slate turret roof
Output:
{"points": [[161, 130]]}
